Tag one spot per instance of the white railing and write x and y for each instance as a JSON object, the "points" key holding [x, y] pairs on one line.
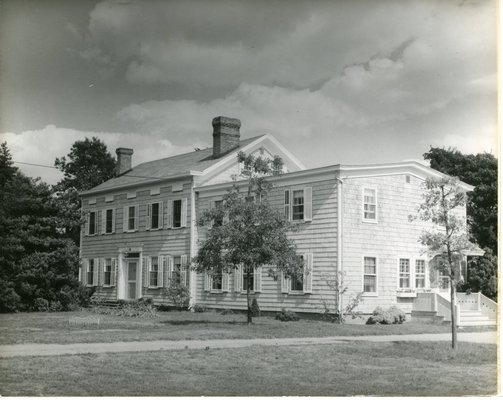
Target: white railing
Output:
{"points": [[469, 302], [488, 307], [424, 302], [443, 307]]}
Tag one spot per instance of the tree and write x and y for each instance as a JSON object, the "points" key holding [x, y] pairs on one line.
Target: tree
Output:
{"points": [[482, 275], [448, 237], [38, 262], [481, 171], [246, 230], [89, 163]]}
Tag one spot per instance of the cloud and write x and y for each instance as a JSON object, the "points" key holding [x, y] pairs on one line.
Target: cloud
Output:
{"points": [[44, 145]]}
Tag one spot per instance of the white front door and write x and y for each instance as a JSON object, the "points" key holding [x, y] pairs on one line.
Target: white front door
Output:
{"points": [[131, 279]]}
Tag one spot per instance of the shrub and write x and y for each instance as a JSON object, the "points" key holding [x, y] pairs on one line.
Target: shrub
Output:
{"points": [[178, 295], [9, 299], [199, 308], [141, 308], [40, 304], [55, 306], [393, 315], [286, 316], [227, 311], [255, 309]]}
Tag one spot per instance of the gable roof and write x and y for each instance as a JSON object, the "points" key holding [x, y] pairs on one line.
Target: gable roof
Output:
{"points": [[182, 165]]}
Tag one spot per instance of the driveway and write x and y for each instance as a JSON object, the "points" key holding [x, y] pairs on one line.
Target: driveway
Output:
{"points": [[32, 349]]}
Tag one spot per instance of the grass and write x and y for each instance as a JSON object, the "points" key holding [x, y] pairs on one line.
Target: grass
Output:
{"points": [[384, 369], [56, 328]]}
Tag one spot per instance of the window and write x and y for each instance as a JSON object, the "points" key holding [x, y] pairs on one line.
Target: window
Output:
{"points": [[287, 205], [92, 223], [90, 272], [298, 205], [369, 205], [131, 219], [109, 221], [177, 213], [107, 272], [248, 280], [370, 275], [297, 282], [404, 273], [154, 272], [219, 218], [177, 269], [154, 216], [216, 281], [130, 222], [420, 274]]}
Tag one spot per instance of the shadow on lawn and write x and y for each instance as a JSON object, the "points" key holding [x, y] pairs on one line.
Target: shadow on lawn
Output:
{"points": [[191, 322]]}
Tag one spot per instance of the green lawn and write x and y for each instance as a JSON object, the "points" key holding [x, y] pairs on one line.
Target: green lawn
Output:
{"points": [[385, 369], [56, 328]]}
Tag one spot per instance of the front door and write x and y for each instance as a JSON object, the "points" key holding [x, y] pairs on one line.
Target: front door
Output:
{"points": [[132, 269]]}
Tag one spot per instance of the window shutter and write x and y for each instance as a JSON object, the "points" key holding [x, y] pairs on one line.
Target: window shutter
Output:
{"points": [[113, 219], [225, 281], [184, 271], [103, 221], [184, 212], [144, 272], [136, 216], [287, 205], [95, 271], [257, 279], [308, 273], [169, 214], [285, 283], [160, 219], [160, 271], [86, 229], [113, 273], [169, 270], [80, 273], [85, 267], [125, 219], [207, 283], [308, 204], [101, 281], [238, 278], [149, 213], [148, 269]]}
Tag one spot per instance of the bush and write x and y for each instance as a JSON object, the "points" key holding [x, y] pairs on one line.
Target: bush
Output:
{"points": [[9, 299], [255, 309], [199, 308], [393, 315], [286, 316], [55, 306], [40, 304], [178, 295], [227, 311], [141, 308]]}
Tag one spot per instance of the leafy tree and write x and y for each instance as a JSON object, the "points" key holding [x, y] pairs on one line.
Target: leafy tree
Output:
{"points": [[89, 163], [481, 171], [482, 275], [38, 262], [246, 230], [448, 236]]}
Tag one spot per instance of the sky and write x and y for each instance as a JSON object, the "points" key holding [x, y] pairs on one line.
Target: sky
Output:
{"points": [[349, 82]]}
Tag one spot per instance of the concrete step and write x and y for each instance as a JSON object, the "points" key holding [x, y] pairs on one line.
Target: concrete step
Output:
{"points": [[490, 322]]}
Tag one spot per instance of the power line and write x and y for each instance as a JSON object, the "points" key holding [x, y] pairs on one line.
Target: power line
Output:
{"points": [[36, 165]]}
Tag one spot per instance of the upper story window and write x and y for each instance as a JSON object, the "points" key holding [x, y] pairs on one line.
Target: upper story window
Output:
{"points": [[109, 221], [154, 215], [177, 213], [91, 226], [298, 204], [404, 273], [370, 275], [369, 205], [130, 222]]}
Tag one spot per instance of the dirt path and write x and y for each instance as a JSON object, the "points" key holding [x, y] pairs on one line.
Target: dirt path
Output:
{"points": [[32, 349]]}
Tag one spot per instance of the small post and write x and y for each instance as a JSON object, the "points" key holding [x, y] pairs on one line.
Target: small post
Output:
{"points": [[478, 301], [458, 315]]}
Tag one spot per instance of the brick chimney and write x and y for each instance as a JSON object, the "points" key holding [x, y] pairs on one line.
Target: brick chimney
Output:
{"points": [[123, 160], [225, 135]]}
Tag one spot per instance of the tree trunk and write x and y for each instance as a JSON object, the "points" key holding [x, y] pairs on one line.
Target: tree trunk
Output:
{"points": [[249, 311], [453, 315]]}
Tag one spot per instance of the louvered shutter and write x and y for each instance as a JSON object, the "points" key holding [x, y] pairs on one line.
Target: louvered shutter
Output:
{"points": [[86, 229], [85, 268], [225, 281], [169, 270], [114, 211], [169, 214], [308, 273], [285, 283], [184, 212], [103, 221], [149, 220], [184, 270], [113, 273], [207, 283], [125, 220], [144, 274], [287, 199], [212, 206], [257, 279], [160, 219], [95, 271], [136, 217], [308, 204], [101, 281], [160, 271], [80, 273], [238, 278]]}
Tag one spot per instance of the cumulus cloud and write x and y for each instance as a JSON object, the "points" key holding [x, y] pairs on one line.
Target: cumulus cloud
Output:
{"points": [[42, 146]]}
